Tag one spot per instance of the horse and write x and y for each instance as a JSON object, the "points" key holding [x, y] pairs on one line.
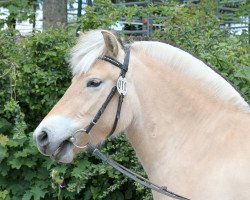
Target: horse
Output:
{"points": [[189, 127]]}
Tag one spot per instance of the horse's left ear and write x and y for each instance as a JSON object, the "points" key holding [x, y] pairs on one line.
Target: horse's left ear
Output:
{"points": [[111, 43]]}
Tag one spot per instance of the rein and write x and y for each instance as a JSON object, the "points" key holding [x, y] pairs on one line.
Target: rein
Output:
{"points": [[121, 87], [132, 175]]}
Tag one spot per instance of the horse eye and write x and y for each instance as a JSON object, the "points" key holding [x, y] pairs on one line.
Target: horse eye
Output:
{"points": [[94, 83]]}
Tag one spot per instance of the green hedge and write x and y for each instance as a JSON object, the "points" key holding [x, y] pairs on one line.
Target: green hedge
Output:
{"points": [[34, 75]]}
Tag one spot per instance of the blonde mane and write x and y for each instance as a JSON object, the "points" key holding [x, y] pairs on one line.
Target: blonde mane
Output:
{"points": [[185, 63], [91, 46], [88, 49]]}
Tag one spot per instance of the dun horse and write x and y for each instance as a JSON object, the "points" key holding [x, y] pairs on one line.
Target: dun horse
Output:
{"points": [[189, 127]]}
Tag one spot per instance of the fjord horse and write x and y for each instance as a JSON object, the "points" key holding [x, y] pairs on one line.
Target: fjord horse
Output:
{"points": [[189, 127]]}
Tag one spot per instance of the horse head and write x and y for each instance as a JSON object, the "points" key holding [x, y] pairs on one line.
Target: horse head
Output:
{"points": [[93, 80]]}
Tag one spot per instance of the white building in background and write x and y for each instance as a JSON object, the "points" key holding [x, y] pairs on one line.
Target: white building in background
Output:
{"points": [[26, 28], [3, 13]]}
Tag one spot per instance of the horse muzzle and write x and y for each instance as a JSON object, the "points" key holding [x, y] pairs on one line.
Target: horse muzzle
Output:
{"points": [[52, 138]]}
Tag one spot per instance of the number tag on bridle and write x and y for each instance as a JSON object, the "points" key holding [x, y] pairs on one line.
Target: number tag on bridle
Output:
{"points": [[122, 85]]}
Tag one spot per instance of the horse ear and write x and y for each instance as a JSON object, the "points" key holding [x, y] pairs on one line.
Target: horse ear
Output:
{"points": [[111, 42]]}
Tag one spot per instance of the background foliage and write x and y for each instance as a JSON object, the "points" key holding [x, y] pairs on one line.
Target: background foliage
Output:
{"points": [[19, 10], [34, 75]]}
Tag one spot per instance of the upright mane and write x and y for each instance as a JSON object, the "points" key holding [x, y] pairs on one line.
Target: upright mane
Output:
{"points": [[185, 63], [88, 49], [91, 46]]}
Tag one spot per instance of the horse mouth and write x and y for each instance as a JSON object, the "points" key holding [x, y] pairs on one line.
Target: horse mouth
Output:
{"points": [[62, 151]]}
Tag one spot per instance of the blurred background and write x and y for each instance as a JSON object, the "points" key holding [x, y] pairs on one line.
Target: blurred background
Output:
{"points": [[27, 16]]}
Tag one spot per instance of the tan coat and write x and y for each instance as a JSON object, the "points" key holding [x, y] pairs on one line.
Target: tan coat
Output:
{"points": [[189, 127]]}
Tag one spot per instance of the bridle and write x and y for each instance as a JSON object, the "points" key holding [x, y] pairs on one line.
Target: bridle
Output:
{"points": [[121, 87]]}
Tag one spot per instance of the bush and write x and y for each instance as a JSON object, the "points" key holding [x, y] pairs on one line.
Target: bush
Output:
{"points": [[34, 77], [196, 29]]}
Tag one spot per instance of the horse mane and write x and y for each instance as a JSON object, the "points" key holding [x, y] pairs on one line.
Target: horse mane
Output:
{"points": [[189, 65], [88, 49], [91, 46]]}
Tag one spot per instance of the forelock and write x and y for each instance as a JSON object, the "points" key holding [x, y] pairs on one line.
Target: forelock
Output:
{"points": [[89, 48]]}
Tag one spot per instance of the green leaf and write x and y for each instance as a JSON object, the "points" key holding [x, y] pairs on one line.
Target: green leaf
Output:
{"points": [[3, 140], [128, 194], [119, 195], [37, 192], [244, 72], [3, 153], [15, 164], [4, 125], [3, 194], [27, 195]]}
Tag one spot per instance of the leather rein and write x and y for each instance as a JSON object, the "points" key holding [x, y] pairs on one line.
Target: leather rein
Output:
{"points": [[121, 87]]}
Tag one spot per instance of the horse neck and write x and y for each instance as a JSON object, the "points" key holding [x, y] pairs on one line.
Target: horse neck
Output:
{"points": [[173, 115]]}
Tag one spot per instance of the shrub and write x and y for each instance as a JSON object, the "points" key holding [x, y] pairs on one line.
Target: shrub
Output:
{"points": [[34, 77], [196, 28]]}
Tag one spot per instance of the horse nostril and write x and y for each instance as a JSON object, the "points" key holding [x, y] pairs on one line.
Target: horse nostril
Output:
{"points": [[43, 139]]}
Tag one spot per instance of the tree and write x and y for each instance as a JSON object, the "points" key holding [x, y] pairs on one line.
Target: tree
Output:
{"points": [[18, 11], [54, 13]]}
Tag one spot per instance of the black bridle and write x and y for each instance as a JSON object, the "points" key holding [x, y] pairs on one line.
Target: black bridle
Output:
{"points": [[121, 87]]}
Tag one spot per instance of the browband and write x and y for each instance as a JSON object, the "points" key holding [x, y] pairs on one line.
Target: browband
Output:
{"points": [[124, 66]]}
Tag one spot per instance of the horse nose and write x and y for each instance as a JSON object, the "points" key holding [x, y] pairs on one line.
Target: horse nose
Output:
{"points": [[43, 139]]}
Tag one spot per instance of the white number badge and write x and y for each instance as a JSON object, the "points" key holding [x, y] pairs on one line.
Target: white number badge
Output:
{"points": [[122, 85]]}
